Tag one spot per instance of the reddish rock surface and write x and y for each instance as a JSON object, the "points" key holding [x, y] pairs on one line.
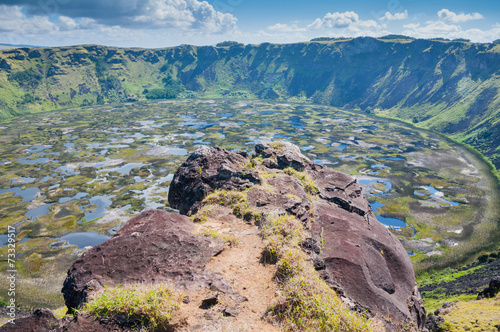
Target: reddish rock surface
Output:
{"points": [[42, 320], [156, 246], [207, 169]]}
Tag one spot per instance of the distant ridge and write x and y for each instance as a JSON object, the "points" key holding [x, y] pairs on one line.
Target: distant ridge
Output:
{"points": [[6, 46], [449, 86]]}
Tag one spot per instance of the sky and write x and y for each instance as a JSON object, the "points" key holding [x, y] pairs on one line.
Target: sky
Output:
{"points": [[164, 23]]}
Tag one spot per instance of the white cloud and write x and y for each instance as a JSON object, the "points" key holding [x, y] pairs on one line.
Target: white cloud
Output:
{"points": [[185, 21], [335, 20], [278, 27], [411, 26], [432, 29], [482, 36], [68, 24], [346, 24], [368, 24], [316, 25], [87, 23], [134, 14], [185, 14], [165, 14], [394, 17], [451, 31], [206, 17], [12, 19], [451, 17]]}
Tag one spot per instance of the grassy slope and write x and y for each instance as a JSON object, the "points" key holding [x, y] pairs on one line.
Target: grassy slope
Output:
{"points": [[450, 87]]}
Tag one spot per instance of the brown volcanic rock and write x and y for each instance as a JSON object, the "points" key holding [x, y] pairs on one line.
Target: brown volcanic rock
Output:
{"points": [[42, 320], [282, 155], [289, 197], [85, 323], [209, 168], [366, 263], [352, 251], [156, 246]]}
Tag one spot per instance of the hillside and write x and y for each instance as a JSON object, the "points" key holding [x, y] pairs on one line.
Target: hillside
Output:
{"points": [[449, 87]]}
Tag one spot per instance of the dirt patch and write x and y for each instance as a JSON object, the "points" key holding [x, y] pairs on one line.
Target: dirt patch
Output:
{"points": [[241, 266]]}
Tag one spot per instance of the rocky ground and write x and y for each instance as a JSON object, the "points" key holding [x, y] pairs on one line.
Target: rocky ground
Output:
{"points": [[471, 283]]}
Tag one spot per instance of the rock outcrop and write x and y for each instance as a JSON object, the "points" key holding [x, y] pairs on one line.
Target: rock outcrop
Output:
{"points": [[42, 320], [353, 252], [350, 250], [207, 169]]}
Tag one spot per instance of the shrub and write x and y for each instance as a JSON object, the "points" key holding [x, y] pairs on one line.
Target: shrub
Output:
{"points": [[243, 211], [171, 89], [225, 198], [150, 306], [483, 258], [286, 228], [205, 212], [27, 78], [229, 43], [306, 303], [236, 200], [291, 263]]}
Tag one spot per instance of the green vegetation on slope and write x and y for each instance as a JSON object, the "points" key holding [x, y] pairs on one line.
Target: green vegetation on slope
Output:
{"points": [[463, 283], [448, 86], [305, 301]]}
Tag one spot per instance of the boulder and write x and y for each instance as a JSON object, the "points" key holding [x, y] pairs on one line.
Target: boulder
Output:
{"points": [[207, 169], [434, 323], [156, 246], [490, 291], [351, 250]]}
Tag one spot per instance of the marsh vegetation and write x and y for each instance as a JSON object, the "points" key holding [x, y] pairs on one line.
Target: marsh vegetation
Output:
{"points": [[69, 179]]}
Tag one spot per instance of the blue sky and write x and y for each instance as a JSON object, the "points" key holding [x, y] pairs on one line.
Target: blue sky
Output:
{"points": [[162, 23]]}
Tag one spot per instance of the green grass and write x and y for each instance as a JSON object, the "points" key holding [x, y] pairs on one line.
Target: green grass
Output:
{"points": [[305, 302], [472, 316], [150, 306], [237, 200], [308, 183], [206, 211], [225, 197], [226, 238], [437, 300], [445, 275]]}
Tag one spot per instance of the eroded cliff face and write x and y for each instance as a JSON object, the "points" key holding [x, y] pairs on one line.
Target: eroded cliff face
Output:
{"points": [[223, 260]]}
